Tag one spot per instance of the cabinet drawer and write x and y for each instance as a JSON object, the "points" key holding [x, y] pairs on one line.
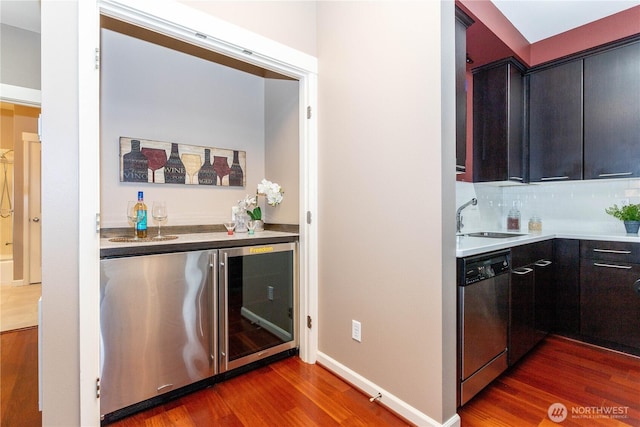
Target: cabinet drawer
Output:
{"points": [[623, 252], [530, 253]]}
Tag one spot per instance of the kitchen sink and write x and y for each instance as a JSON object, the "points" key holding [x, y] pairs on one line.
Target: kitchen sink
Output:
{"points": [[493, 234]]}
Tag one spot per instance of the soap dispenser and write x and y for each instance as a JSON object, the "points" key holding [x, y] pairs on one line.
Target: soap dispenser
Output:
{"points": [[513, 219]]}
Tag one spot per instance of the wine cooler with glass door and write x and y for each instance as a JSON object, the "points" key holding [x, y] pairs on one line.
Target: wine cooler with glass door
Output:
{"points": [[257, 303]]}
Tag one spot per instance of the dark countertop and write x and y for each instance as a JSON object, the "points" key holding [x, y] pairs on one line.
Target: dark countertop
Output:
{"points": [[193, 242]]}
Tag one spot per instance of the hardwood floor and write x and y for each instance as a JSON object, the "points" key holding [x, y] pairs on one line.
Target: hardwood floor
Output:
{"points": [[19, 306], [590, 382], [285, 393], [19, 378]]}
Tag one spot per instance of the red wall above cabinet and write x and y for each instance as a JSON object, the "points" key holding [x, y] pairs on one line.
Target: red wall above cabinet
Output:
{"points": [[493, 37]]}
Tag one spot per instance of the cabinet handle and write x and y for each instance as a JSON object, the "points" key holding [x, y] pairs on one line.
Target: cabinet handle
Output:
{"points": [[542, 263], [522, 271], [612, 251], [516, 178], [622, 267], [553, 178], [607, 175]]}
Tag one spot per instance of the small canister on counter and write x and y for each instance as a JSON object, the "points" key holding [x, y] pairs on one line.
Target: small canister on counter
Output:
{"points": [[535, 224], [513, 219]]}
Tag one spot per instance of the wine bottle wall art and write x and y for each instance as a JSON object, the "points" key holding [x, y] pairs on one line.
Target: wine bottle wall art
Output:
{"points": [[143, 160]]}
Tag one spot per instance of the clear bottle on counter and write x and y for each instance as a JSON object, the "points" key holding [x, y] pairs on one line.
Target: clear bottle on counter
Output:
{"points": [[141, 213], [513, 219], [535, 224]]}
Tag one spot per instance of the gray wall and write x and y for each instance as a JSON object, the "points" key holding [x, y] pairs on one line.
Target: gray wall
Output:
{"points": [[20, 62], [385, 257]]}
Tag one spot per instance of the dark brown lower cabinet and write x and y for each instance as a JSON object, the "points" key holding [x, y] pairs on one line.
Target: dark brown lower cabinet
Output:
{"points": [[522, 332], [530, 297], [610, 301], [566, 287]]}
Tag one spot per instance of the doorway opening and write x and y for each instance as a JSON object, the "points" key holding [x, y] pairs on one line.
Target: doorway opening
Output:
{"points": [[20, 259]]}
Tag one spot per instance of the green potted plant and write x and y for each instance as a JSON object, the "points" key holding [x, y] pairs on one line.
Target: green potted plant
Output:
{"points": [[629, 214], [255, 213]]}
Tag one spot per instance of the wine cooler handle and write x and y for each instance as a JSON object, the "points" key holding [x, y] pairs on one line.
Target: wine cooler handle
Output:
{"points": [[215, 307], [223, 303]]}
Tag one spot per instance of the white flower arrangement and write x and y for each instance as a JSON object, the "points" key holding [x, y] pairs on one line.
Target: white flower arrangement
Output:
{"points": [[272, 191], [247, 203]]}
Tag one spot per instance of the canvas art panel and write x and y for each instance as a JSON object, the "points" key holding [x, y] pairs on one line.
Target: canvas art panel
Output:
{"points": [[157, 162]]}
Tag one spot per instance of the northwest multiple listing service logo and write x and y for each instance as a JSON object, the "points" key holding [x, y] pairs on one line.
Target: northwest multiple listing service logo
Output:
{"points": [[558, 412]]}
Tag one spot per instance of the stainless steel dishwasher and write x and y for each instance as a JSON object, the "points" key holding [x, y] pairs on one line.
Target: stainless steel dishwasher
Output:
{"points": [[483, 315]]}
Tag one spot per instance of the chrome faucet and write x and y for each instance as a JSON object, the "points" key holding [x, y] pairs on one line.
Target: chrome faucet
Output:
{"points": [[459, 224]]}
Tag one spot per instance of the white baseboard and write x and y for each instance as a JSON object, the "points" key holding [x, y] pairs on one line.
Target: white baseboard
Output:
{"points": [[391, 402]]}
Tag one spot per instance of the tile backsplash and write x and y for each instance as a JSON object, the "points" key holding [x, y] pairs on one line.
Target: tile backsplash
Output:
{"points": [[574, 206]]}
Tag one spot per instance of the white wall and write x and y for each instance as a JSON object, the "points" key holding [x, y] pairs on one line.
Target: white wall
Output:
{"points": [[292, 23], [20, 64], [282, 149], [574, 206], [154, 93], [60, 213]]}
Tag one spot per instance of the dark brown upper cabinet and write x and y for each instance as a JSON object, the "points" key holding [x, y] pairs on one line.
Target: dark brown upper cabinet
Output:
{"points": [[612, 113], [463, 21], [555, 123], [498, 104]]}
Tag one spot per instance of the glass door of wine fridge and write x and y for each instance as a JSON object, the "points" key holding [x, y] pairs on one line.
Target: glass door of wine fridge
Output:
{"points": [[258, 303]]}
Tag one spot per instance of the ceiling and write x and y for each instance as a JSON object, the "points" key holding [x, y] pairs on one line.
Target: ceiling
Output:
{"points": [[540, 19], [23, 14]]}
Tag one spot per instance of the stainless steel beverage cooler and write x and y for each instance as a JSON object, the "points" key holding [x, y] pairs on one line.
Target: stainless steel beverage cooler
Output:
{"points": [[258, 309], [168, 321], [155, 325]]}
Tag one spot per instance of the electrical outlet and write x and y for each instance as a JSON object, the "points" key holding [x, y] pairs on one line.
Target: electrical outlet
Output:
{"points": [[356, 330], [270, 293]]}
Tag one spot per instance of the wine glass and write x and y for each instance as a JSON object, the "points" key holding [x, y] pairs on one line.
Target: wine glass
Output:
{"points": [[251, 225], [160, 214], [132, 215], [230, 226]]}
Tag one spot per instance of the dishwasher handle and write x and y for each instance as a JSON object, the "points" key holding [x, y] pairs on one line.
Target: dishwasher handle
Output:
{"points": [[522, 271]]}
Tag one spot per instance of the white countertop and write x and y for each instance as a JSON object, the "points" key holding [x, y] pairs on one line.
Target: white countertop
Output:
{"points": [[241, 238], [467, 246]]}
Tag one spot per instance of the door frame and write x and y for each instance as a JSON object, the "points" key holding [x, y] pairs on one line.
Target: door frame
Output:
{"points": [[184, 23], [27, 139]]}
